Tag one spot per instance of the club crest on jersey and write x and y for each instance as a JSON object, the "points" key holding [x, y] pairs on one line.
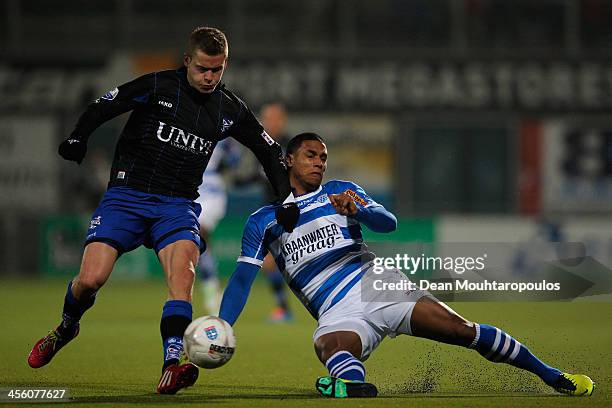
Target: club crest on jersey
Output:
{"points": [[211, 332], [267, 138], [356, 197], [226, 124], [183, 140], [110, 95]]}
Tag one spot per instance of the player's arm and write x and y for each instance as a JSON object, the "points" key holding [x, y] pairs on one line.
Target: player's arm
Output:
{"points": [[354, 202], [122, 99], [250, 260], [377, 218], [237, 291]]}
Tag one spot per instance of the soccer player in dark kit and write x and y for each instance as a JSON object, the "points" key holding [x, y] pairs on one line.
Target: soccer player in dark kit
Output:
{"points": [[177, 118]]}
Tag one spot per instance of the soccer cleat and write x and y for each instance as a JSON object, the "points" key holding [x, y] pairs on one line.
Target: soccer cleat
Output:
{"points": [[333, 387], [574, 384], [176, 377], [44, 350]]}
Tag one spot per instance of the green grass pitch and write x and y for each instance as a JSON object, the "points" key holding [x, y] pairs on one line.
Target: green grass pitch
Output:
{"points": [[116, 359]]}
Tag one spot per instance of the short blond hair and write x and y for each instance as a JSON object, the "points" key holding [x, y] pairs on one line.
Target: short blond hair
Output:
{"points": [[210, 40]]}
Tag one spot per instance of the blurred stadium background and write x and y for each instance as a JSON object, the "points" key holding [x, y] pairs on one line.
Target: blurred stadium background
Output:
{"points": [[470, 119]]}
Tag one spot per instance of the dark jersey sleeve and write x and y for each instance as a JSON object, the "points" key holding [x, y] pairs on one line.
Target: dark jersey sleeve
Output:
{"points": [[251, 133], [122, 99]]}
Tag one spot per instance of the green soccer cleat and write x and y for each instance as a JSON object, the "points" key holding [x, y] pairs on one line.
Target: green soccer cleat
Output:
{"points": [[333, 387], [578, 385]]}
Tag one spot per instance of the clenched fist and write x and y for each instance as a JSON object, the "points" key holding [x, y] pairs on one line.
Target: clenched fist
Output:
{"points": [[343, 204]]}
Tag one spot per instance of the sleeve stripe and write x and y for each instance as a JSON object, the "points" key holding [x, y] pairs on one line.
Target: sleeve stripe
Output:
{"points": [[248, 259]]}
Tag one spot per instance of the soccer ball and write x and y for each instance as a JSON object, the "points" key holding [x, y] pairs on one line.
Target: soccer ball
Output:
{"points": [[209, 342]]}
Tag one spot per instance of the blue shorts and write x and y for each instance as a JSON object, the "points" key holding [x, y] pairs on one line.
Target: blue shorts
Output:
{"points": [[127, 218]]}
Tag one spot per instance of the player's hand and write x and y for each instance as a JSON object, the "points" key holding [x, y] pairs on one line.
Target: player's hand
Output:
{"points": [[287, 215], [73, 150], [343, 204]]}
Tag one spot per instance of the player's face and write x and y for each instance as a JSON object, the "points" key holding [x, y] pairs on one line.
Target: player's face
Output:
{"points": [[204, 71], [307, 166]]}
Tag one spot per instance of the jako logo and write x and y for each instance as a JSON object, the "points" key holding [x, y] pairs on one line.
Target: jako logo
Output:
{"points": [[184, 140], [164, 103]]}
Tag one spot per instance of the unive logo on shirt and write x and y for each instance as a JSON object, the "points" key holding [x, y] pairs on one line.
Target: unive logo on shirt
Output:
{"points": [[183, 140], [308, 243]]}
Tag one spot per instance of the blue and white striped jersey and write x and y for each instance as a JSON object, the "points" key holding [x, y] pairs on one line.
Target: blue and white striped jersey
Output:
{"points": [[324, 256]]}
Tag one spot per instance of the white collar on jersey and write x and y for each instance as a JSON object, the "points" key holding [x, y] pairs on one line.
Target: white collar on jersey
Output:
{"points": [[308, 195]]}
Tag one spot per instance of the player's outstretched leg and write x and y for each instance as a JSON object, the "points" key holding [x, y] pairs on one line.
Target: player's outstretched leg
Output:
{"points": [[44, 350], [499, 347], [434, 320], [346, 377], [97, 265]]}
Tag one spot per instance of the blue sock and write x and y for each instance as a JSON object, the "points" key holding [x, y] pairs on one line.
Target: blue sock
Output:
{"points": [[176, 316], [497, 346], [344, 365], [74, 309]]}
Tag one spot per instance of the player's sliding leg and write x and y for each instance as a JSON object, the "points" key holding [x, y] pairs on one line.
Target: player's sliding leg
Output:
{"points": [[434, 320], [96, 266], [338, 351], [178, 261]]}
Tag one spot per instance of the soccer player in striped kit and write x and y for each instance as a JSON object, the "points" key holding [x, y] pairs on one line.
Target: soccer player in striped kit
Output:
{"points": [[323, 261]]}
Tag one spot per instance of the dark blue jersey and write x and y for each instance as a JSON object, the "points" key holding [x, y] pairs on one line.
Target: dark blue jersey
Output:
{"points": [[172, 131]]}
